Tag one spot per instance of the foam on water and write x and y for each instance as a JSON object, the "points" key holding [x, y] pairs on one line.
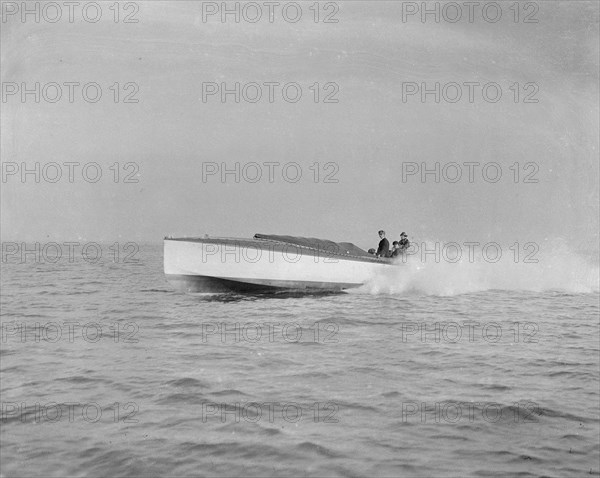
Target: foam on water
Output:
{"points": [[558, 268]]}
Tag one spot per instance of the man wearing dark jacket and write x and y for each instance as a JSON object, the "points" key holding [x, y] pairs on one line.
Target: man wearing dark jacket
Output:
{"points": [[384, 246], [404, 243]]}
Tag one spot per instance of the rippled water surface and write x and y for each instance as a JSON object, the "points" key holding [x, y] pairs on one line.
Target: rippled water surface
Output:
{"points": [[124, 376]]}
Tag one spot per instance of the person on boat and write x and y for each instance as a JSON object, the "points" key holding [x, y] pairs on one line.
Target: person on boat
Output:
{"points": [[395, 249], [371, 251], [383, 250], [404, 242]]}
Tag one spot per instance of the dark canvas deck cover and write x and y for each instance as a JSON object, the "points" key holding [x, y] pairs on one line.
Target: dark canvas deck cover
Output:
{"points": [[343, 248]]}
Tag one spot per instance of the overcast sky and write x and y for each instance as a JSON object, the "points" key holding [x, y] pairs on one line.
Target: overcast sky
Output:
{"points": [[368, 134]]}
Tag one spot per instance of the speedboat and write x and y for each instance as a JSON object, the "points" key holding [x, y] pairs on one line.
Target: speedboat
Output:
{"points": [[267, 263]]}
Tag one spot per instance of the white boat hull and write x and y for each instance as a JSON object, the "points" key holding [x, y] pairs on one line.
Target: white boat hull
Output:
{"points": [[221, 265]]}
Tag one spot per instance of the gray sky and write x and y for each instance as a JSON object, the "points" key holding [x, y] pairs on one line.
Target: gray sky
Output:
{"points": [[368, 134]]}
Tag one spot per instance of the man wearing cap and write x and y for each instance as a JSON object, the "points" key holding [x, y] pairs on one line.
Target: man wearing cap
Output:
{"points": [[403, 244], [384, 246]]}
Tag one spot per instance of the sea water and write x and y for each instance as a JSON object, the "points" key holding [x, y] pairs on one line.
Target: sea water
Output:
{"points": [[435, 369]]}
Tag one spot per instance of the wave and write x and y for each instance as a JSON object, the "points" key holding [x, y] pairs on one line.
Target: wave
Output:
{"points": [[555, 268]]}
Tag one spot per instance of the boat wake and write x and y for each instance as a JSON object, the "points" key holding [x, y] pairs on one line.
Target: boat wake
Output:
{"points": [[556, 269]]}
